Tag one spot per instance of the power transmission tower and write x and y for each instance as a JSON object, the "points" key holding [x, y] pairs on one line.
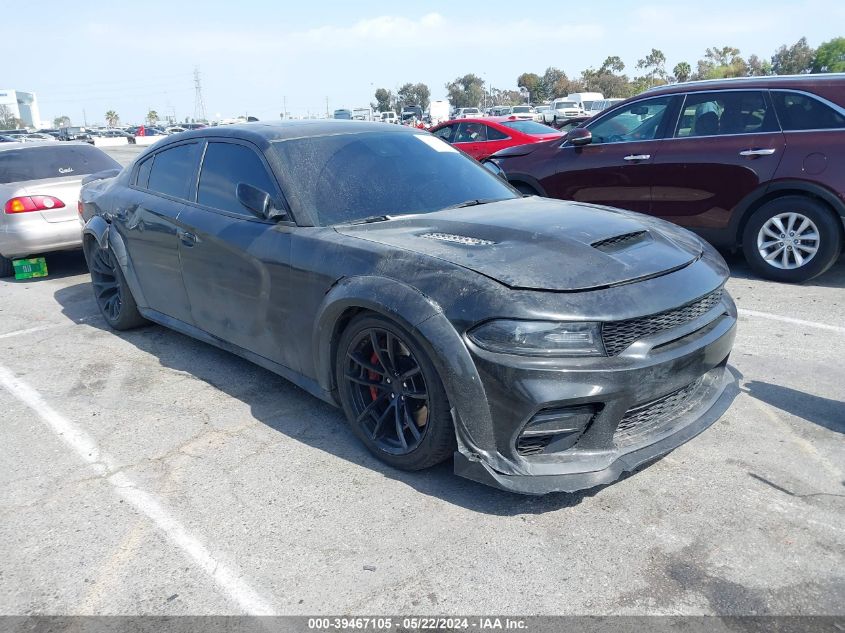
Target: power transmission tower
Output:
{"points": [[199, 104]]}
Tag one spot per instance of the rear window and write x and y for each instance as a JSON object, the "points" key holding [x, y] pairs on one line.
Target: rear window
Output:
{"points": [[802, 112], [529, 127], [39, 163], [173, 170]]}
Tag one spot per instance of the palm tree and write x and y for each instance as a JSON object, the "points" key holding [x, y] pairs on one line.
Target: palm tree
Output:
{"points": [[112, 118], [152, 117]]}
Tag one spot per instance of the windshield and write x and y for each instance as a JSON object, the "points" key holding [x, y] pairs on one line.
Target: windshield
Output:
{"points": [[54, 161], [565, 104], [342, 178], [522, 109], [587, 104], [529, 127]]}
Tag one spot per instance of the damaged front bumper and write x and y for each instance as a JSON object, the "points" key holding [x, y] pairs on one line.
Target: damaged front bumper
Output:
{"points": [[605, 416]]}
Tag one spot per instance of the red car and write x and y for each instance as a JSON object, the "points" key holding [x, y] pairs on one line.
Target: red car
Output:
{"points": [[481, 138]]}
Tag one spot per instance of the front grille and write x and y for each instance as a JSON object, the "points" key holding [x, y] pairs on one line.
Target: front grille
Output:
{"points": [[619, 240], [533, 445], [646, 419], [618, 335]]}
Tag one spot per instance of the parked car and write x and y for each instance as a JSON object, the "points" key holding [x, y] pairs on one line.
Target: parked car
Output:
{"points": [[601, 105], [117, 134], [523, 112], [8, 139], [39, 188], [540, 111], [482, 137], [562, 109], [464, 113], [175, 129], [389, 117], [750, 163], [35, 136], [498, 111], [546, 345], [75, 133]]}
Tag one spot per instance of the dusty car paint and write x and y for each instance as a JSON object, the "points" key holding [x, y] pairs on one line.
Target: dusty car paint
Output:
{"points": [[280, 293]]}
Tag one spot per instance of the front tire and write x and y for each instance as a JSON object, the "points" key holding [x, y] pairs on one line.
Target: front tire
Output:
{"points": [[392, 395], [111, 292], [792, 239]]}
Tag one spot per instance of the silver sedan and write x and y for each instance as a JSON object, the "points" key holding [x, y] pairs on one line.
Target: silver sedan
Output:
{"points": [[39, 190]]}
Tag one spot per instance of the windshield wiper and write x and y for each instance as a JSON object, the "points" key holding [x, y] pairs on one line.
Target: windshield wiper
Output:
{"points": [[371, 219], [472, 203]]}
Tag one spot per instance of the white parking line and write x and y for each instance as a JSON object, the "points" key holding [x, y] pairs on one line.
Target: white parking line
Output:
{"points": [[30, 330], [783, 319], [87, 449]]}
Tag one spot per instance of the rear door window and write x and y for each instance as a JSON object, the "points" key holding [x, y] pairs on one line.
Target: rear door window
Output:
{"points": [[446, 132], [471, 133], [38, 163], [725, 113], [495, 135], [173, 171], [224, 167], [802, 112]]}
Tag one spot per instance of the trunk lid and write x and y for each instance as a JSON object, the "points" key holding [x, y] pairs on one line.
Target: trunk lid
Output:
{"points": [[65, 189]]}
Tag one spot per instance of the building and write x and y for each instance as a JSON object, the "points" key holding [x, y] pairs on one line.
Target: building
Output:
{"points": [[22, 105]]}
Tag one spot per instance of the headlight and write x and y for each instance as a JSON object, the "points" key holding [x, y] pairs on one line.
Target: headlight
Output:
{"points": [[539, 338]]}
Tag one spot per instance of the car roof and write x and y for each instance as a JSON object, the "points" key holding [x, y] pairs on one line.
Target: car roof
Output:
{"points": [[777, 81], [261, 132]]}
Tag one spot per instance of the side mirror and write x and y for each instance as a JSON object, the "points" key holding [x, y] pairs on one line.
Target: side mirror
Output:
{"points": [[579, 136], [259, 202]]}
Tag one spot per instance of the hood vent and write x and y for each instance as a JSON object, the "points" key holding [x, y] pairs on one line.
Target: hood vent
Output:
{"points": [[618, 241], [457, 239]]}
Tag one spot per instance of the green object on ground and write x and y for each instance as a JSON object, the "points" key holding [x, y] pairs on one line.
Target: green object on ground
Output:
{"points": [[29, 268]]}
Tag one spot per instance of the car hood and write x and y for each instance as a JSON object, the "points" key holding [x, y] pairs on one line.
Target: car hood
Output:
{"points": [[540, 244]]}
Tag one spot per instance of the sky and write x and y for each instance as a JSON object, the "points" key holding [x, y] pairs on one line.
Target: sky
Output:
{"points": [[255, 58]]}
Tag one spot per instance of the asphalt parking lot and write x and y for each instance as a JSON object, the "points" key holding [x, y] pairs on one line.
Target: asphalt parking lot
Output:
{"points": [[146, 473]]}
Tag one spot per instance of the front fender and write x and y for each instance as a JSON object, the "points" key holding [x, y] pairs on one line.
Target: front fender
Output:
{"points": [[425, 320]]}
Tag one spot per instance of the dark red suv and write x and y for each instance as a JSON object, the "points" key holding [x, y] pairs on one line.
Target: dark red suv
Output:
{"points": [[753, 162]]}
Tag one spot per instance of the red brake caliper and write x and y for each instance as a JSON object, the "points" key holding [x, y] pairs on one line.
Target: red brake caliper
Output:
{"points": [[373, 375]]}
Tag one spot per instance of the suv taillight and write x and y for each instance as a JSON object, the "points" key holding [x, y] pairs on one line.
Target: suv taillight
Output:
{"points": [[23, 204]]}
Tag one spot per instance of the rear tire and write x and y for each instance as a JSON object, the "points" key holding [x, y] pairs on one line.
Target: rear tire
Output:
{"points": [[7, 269], [392, 395], [792, 239], [111, 292]]}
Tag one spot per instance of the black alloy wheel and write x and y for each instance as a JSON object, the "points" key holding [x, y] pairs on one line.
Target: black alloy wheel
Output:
{"points": [[111, 292], [392, 395]]}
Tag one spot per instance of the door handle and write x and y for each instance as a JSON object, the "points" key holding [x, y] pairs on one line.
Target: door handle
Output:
{"points": [[757, 152], [188, 239], [638, 157]]}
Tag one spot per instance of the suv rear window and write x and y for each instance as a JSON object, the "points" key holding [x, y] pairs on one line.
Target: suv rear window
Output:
{"points": [[802, 112], [38, 163]]}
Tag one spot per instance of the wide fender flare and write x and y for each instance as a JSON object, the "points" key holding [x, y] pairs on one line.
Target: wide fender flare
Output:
{"points": [[109, 239], [424, 318]]}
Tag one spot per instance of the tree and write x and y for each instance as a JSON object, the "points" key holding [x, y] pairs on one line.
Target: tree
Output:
{"points": [[606, 80], [112, 118], [758, 67], [61, 121], [794, 60], [533, 83], [614, 64], [830, 57], [385, 100], [682, 71], [8, 120], [655, 63], [414, 94], [466, 91], [719, 63], [555, 84], [152, 117]]}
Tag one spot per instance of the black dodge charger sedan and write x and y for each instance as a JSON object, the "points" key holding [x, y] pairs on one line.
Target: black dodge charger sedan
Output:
{"points": [[548, 345]]}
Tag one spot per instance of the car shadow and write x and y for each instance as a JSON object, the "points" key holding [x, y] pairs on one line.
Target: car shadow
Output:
{"points": [[833, 278], [825, 412], [306, 419]]}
